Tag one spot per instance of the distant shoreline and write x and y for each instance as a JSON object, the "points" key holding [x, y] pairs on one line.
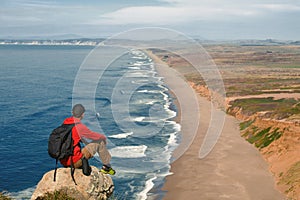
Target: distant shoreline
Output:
{"points": [[97, 41]]}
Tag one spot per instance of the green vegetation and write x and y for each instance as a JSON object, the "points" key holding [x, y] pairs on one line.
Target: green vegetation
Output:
{"points": [[291, 178], [195, 78], [245, 124], [249, 131], [277, 109], [262, 138], [252, 84]]}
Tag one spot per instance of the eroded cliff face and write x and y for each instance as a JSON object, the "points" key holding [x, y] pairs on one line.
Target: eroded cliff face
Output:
{"points": [[277, 139], [201, 89], [278, 142]]}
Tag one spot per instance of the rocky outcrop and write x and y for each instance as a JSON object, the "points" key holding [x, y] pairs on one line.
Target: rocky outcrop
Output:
{"points": [[95, 186]]}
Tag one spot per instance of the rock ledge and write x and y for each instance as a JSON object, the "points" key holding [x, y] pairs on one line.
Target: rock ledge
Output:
{"points": [[95, 186]]}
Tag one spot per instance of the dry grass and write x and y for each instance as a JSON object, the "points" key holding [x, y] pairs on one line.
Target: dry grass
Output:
{"points": [[248, 70]]}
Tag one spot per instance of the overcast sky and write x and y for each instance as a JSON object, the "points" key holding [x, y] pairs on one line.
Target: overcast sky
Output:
{"points": [[209, 19]]}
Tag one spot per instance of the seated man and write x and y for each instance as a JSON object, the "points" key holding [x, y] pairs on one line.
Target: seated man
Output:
{"points": [[98, 144]]}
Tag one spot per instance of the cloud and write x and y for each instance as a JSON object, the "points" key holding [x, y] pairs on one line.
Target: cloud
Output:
{"points": [[34, 3], [181, 11], [170, 15], [144, 15], [279, 7], [34, 12]]}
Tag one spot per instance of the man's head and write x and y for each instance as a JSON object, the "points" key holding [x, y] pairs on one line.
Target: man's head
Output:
{"points": [[78, 110]]}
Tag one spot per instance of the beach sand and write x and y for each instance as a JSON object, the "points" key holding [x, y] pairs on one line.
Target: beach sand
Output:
{"points": [[234, 169]]}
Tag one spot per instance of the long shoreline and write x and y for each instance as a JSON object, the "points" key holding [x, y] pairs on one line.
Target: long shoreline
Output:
{"points": [[233, 170]]}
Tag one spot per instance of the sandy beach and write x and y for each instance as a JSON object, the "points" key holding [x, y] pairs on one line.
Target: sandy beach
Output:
{"points": [[234, 169]]}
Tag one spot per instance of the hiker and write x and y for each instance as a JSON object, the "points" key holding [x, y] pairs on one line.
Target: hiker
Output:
{"points": [[80, 132]]}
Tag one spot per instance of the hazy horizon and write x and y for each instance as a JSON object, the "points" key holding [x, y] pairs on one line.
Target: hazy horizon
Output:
{"points": [[79, 37]]}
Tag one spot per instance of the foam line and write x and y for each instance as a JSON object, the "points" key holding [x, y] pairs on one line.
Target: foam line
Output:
{"points": [[121, 135], [148, 186], [129, 151]]}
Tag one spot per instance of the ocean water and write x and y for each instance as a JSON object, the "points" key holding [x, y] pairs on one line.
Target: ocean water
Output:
{"points": [[132, 108]]}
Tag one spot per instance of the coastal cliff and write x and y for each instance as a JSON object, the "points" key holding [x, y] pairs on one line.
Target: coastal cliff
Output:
{"points": [[278, 141], [95, 186], [274, 132]]}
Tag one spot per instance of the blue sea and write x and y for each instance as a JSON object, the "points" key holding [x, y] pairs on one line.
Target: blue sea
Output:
{"points": [[133, 108]]}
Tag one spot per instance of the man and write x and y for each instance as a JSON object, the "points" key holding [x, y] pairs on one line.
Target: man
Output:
{"points": [[98, 144]]}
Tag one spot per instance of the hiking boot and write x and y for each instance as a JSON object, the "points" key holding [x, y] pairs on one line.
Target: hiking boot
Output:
{"points": [[86, 168], [107, 170]]}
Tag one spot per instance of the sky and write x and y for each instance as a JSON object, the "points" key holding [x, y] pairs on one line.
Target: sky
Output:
{"points": [[205, 19]]}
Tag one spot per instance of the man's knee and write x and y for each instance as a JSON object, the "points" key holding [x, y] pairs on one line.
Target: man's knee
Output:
{"points": [[102, 143], [86, 153]]}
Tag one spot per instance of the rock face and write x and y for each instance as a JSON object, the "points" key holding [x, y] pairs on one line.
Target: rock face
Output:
{"points": [[95, 186]]}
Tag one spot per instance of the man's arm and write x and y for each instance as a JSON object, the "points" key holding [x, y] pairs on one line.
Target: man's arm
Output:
{"points": [[85, 132]]}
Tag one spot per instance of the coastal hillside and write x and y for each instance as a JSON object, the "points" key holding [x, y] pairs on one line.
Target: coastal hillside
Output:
{"points": [[276, 134], [262, 84]]}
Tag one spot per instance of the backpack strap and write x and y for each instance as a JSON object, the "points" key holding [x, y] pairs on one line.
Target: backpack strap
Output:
{"points": [[73, 171], [54, 178], [72, 164]]}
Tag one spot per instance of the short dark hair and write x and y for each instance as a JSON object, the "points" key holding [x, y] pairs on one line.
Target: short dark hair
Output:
{"points": [[78, 110]]}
